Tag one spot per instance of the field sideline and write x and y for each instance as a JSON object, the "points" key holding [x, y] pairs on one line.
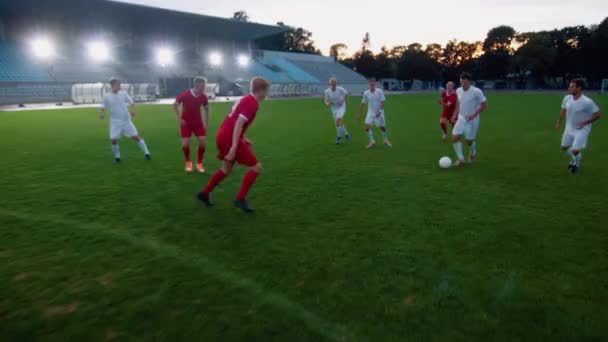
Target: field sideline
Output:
{"points": [[348, 244]]}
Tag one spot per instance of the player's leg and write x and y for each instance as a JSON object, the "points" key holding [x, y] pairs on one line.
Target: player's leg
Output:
{"points": [[566, 146], [369, 121], [470, 135], [115, 133], [578, 145], [444, 128], [185, 133], [115, 150], [130, 131], [241, 198], [217, 177], [202, 143], [338, 122], [381, 123], [457, 132]]}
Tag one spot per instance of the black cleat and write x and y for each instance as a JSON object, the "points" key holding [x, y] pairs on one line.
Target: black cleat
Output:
{"points": [[571, 165], [205, 199], [117, 161], [338, 140], [574, 169], [348, 138], [244, 206], [148, 157]]}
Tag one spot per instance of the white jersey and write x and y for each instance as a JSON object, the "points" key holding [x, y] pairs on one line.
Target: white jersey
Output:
{"points": [[117, 104], [578, 111], [470, 100], [374, 100], [336, 98]]}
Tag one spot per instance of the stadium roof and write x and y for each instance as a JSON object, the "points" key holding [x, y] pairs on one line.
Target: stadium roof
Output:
{"points": [[135, 18]]}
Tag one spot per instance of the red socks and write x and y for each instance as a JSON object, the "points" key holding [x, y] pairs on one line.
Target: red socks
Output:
{"points": [[444, 128], [200, 154], [248, 181], [186, 152], [215, 180]]}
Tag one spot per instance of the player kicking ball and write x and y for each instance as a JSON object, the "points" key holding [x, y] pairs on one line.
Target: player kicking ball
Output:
{"points": [[117, 102], [471, 103], [580, 113], [335, 99], [191, 122], [447, 101], [234, 147], [374, 98]]}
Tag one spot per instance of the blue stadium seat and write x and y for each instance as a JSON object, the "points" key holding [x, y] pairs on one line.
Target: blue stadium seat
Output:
{"points": [[17, 67]]}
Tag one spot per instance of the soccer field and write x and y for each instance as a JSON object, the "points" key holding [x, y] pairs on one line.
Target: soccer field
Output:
{"points": [[347, 244]]}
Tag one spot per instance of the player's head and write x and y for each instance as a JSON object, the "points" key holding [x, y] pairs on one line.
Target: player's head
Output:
{"points": [[465, 80], [259, 87], [372, 83], [114, 84], [199, 84], [576, 86], [333, 82], [449, 87]]}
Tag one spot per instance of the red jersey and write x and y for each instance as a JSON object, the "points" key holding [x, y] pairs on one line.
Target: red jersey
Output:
{"points": [[449, 102], [191, 105], [247, 109]]}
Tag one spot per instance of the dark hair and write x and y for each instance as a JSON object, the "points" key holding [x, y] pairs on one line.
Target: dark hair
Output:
{"points": [[114, 80], [371, 79], [580, 83], [466, 76]]}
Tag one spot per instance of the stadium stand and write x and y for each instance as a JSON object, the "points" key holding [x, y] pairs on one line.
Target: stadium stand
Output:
{"points": [[15, 65], [24, 79]]}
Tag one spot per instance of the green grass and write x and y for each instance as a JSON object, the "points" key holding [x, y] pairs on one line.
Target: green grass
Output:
{"points": [[348, 244]]}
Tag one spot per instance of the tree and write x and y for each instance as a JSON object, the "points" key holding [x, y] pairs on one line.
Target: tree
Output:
{"points": [[292, 40], [385, 65], [338, 51], [499, 39], [498, 48], [435, 51], [240, 16], [364, 61]]}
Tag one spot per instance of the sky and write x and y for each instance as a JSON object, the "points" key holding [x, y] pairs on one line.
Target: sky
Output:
{"points": [[400, 22]]}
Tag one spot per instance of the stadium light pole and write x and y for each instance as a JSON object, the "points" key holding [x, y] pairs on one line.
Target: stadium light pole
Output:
{"points": [[42, 48], [98, 51], [215, 59], [243, 60]]}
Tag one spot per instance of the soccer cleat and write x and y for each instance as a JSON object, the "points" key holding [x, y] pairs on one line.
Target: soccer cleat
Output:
{"points": [[244, 206], [200, 168], [205, 199], [148, 157], [188, 167], [338, 140], [348, 138], [371, 144], [388, 143], [459, 163], [572, 163], [471, 158], [574, 169], [117, 161]]}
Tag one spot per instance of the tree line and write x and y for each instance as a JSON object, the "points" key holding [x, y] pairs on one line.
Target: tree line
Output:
{"points": [[540, 59]]}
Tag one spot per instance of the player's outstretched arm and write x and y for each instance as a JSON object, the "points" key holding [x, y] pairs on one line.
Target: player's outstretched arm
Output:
{"points": [[456, 110], [594, 118], [482, 107], [560, 119], [132, 109], [207, 112], [102, 113]]}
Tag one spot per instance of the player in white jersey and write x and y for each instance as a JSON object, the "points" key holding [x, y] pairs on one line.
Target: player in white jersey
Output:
{"points": [[335, 99], [471, 103], [580, 113], [374, 98], [117, 102]]}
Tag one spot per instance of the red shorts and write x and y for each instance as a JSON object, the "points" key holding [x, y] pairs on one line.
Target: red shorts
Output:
{"points": [[198, 129], [244, 154], [447, 116]]}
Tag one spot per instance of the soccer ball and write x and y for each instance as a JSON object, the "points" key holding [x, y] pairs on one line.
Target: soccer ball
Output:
{"points": [[445, 163]]}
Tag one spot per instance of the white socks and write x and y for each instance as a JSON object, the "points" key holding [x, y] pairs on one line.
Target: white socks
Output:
{"points": [[577, 159], [473, 149], [339, 131], [458, 150], [116, 151], [142, 145], [385, 135], [344, 130], [370, 134]]}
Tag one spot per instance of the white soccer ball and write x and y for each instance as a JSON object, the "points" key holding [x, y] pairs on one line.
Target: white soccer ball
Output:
{"points": [[445, 163]]}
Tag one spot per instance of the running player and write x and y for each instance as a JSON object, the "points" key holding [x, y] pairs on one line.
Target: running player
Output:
{"points": [[234, 147], [447, 101], [374, 98], [335, 99], [580, 113], [191, 122], [116, 102], [471, 103]]}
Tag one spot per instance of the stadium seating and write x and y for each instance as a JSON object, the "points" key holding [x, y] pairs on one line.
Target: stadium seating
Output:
{"points": [[15, 65], [34, 92], [292, 71], [79, 72]]}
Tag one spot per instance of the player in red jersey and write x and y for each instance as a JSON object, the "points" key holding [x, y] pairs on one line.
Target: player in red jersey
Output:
{"points": [[448, 102], [191, 122], [234, 147]]}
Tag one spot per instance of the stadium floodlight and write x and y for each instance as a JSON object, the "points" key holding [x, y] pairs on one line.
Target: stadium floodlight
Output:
{"points": [[243, 60], [215, 59], [165, 56], [42, 48], [98, 51]]}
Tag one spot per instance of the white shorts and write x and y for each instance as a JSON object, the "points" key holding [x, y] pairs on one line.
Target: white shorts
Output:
{"points": [[372, 120], [467, 128], [338, 113], [119, 128], [577, 138]]}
